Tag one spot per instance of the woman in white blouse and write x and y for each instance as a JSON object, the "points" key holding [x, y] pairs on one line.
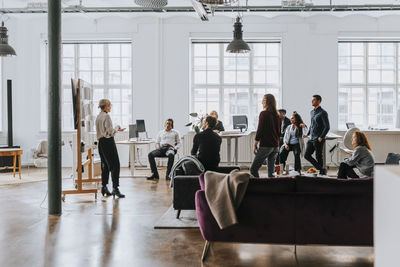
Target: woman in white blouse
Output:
{"points": [[107, 149]]}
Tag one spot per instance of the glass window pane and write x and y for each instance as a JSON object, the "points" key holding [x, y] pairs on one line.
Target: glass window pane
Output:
{"points": [[68, 64], [98, 63], [200, 50], [114, 64], [68, 50], [230, 76], [259, 77], [213, 63], [84, 50], [200, 77], [126, 77], [200, 63], [259, 50], [273, 50], [98, 77], [357, 49], [67, 77], [126, 50], [114, 50], [114, 77], [85, 64], [98, 50], [212, 50], [212, 77], [242, 77], [273, 77]]}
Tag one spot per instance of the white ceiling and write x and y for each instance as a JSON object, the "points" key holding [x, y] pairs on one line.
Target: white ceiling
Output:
{"points": [[130, 3]]}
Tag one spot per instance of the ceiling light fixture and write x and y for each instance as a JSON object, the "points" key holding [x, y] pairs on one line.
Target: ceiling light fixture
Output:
{"points": [[152, 3], [237, 45], [5, 48]]}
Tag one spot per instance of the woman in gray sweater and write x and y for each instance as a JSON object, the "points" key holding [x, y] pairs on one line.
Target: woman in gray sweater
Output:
{"points": [[361, 164]]}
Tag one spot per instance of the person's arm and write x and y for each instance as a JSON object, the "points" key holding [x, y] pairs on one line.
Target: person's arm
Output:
{"points": [[195, 145], [109, 130], [221, 127], [259, 127], [325, 122], [354, 158], [158, 142], [286, 137], [177, 141]]}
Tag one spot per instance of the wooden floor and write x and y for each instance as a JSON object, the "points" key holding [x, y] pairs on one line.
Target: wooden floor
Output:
{"points": [[120, 232]]}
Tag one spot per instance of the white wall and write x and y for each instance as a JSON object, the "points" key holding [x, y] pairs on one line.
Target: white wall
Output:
{"points": [[161, 70]]}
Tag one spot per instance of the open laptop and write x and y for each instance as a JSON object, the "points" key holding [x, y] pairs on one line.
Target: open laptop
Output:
{"points": [[350, 125]]}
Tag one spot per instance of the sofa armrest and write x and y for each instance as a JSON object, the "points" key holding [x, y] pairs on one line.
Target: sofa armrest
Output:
{"points": [[184, 191]]}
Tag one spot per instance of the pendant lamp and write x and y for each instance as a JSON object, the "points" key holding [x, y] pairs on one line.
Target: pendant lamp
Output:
{"points": [[238, 45], [5, 48], [152, 3]]}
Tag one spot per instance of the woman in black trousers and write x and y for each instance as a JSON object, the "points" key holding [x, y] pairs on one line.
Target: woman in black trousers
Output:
{"points": [[107, 149]]}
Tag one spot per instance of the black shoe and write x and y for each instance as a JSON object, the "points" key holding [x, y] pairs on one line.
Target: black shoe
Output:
{"points": [[322, 172], [104, 191], [117, 193], [152, 177]]}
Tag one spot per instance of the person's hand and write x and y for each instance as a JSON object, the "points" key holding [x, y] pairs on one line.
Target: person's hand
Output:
{"points": [[171, 148], [158, 148], [121, 129], [255, 149], [215, 131], [319, 139], [287, 147], [305, 136], [302, 125]]}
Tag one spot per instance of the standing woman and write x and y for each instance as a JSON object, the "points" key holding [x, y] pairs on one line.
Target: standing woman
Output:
{"points": [[108, 149], [293, 141], [266, 143], [361, 164]]}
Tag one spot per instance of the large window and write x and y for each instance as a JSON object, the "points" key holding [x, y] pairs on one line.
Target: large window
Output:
{"points": [[368, 83], [108, 67], [234, 84]]}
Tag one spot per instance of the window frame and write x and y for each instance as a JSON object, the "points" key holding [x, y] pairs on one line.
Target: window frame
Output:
{"points": [[368, 86], [222, 86]]}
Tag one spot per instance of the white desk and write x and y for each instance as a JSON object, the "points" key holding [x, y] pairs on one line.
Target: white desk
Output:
{"points": [[132, 151], [229, 138]]}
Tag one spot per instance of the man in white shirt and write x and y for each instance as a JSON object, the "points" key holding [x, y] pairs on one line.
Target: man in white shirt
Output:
{"points": [[168, 142]]}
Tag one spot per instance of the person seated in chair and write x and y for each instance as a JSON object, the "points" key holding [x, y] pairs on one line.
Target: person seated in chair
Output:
{"points": [[361, 164], [293, 141], [208, 144], [219, 127], [168, 142]]}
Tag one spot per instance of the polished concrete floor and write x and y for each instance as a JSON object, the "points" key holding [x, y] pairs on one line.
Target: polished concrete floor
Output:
{"points": [[119, 232]]}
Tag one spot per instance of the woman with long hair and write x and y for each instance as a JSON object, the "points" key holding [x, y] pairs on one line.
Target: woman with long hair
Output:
{"points": [[361, 164], [266, 144], [219, 127], [293, 141], [107, 149]]}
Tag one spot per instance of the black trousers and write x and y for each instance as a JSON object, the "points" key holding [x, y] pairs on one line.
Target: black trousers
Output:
{"points": [[314, 145], [162, 153], [109, 161], [284, 153], [346, 171]]}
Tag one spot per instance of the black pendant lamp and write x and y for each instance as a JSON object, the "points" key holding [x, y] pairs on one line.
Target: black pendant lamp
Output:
{"points": [[5, 48], [238, 45]]}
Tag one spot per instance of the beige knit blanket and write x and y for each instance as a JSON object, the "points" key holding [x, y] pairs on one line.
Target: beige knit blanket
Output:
{"points": [[224, 193]]}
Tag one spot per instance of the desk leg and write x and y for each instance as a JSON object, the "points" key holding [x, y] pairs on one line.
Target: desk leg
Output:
{"points": [[236, 151], [14, 165], [324, 155], [229, 144], [132, 159], [19, 161]]}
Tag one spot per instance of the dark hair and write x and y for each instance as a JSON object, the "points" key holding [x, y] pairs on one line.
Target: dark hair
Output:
{"points": [[299, 120], [282, 110], [318, 97], [172, 122], [271, 104], [361, 140], [211, 121]]}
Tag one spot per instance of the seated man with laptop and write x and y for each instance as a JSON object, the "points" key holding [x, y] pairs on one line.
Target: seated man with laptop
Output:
{"points": [[167, 144]]}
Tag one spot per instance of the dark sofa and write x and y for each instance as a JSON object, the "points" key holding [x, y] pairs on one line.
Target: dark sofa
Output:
{"points": [[185, 188], [299, 211]]}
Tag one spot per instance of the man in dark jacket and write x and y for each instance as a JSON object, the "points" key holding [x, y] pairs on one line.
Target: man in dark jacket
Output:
{"points": [[317, 132], [208, 144], [285, 123]]}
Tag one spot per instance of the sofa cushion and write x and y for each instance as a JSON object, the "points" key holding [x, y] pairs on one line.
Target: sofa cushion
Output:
{"points": [[334, 185], [271, 185]]}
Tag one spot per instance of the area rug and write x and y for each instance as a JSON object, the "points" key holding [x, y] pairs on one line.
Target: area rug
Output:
{"points": [[187, 220]]}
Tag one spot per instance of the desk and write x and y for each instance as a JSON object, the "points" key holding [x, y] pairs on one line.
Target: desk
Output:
{"points": [[14, 152], [229, 138], [132, 151]]}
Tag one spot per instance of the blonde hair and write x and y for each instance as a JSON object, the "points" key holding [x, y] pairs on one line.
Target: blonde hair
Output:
{"points": [[103, 103], [214, 114]]}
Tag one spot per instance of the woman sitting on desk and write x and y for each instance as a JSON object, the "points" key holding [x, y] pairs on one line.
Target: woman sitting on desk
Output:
{"points": [[293, 141], [219, 127], [107, 149], [361, 164]]}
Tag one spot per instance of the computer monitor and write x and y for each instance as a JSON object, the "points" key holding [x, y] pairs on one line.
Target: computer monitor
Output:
{"points": [[350, 125], [240, 122], [141, 128], [133, 132]]}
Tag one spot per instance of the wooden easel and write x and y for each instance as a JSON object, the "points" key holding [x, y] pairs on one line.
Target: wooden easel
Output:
{"points": [[89, 162]]}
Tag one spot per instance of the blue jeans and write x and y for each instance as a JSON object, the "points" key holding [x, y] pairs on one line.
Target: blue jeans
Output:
{"points": [[263, 153]]}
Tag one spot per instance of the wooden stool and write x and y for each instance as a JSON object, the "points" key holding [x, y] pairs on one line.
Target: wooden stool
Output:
{"points": [[12, 152]]}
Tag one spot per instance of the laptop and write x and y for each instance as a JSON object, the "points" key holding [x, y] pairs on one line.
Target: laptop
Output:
{"points": [[350, 125]]}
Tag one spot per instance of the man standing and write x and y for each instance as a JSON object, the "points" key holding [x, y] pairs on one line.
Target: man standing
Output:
{"points": [[208, 144], [285, 123], [317, 132], [168, 142]]}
